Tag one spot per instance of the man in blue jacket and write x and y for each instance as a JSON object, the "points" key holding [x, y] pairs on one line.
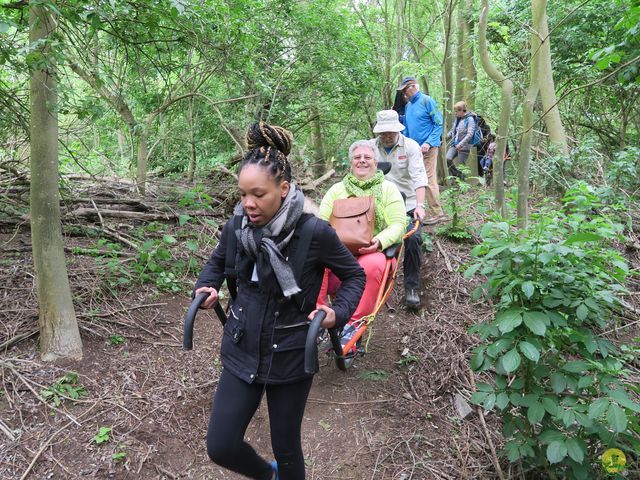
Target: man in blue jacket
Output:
{"points": [[423, 122]]}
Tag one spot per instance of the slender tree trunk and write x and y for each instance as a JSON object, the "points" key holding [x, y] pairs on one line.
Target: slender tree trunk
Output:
{"points": [[165, 128], [192, 143], [624, 115], [470, 73], [538, 7], [143, 158], [447, 81], [317, 142], [96, 138], [460, 78], [552, 120], [59, 333], [506, 86], [387, 92], [121, 147]]}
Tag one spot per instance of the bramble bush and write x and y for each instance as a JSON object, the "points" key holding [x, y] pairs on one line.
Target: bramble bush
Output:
{"points": [[560, 387]]}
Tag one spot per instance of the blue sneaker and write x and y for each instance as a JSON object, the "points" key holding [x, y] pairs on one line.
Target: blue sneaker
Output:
{"points": [[274, 467]]}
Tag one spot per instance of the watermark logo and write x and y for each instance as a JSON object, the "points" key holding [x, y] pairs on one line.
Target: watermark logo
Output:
{"points": [[613, 460]]}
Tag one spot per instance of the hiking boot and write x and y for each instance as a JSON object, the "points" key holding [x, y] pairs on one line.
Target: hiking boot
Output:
{"points": [[412, 298], [443, 217]]}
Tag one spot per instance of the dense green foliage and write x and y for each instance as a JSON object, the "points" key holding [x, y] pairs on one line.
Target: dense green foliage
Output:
{"points": [[559, 385], [177, 82], [326, 64]]}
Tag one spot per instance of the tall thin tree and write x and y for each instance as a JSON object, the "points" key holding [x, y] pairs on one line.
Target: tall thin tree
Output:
{"points": [[538, 8], [59, 333], [506, 86], [552, 119]]}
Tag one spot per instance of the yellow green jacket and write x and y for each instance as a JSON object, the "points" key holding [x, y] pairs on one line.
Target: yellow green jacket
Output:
{"points": [[394, 215]]}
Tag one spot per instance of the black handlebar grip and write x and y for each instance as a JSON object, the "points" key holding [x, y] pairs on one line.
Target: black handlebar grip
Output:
{"points": [[189, 318], [311, 345]]}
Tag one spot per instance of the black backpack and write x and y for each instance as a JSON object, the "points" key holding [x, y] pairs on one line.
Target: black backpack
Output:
{"points": [[484, 127]]}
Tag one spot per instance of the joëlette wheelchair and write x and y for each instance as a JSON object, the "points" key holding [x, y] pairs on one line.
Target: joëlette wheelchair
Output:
{"points": [[330, 341]]}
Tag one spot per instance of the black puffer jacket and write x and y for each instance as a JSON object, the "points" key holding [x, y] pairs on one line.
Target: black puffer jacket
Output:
{"points": [[265, 334]]}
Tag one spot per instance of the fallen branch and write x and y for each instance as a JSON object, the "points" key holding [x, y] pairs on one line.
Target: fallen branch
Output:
{"points": [[494, 455], [444, 255], [18, 338], [363, 402], [91, 213], [109, 200], [5, 429], [224, 169], [50, 439], [113, 234], [73, 250], [311, 186], [127, 309]]}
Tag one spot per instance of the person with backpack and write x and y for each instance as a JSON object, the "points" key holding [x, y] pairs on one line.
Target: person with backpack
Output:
{"points": [[482, 147], [277, 269], [423, 122], [487, 160], [464, 134]]}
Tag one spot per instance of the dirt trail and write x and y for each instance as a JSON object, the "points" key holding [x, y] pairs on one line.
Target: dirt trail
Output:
{"points": [[389, 417]]}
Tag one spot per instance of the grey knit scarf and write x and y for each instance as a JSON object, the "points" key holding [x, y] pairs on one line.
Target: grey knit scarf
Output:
{"points": [[265, 244]]}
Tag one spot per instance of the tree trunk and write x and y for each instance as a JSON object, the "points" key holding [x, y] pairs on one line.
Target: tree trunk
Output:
{"points": [[192, 143], [470, 74], [459, 53], [143, 158], [505, 107], [59, 333], [319, 166], [624, 124], [552, 120], [447, 81], [121, 146], [387, 91], [538, 7]]}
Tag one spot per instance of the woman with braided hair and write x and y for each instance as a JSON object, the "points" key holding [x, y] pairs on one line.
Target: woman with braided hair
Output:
{"points": [[263, 342]]}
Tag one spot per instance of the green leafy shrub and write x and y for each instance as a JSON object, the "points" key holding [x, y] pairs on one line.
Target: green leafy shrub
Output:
{"points": [[116, 340], [560, 387], [624, 170], [67, 386], [457, 229], [155, 263], [556, 173], [195, 198], [103, 435]]}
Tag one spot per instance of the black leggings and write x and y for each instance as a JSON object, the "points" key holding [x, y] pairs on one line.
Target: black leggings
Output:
{"points": [[234, 405]]}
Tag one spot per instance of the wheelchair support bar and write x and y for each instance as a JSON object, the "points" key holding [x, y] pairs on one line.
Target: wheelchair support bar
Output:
{"points": [[311, 344], [190, 317]]}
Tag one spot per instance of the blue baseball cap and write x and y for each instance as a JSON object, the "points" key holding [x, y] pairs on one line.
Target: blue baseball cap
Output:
{"points": [[406, 81]]}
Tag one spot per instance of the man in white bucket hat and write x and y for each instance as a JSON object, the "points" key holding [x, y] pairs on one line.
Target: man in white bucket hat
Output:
{"points": [[409, 175]]}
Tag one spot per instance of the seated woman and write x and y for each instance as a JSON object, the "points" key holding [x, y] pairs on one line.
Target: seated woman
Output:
{"points": [[364, 179]]}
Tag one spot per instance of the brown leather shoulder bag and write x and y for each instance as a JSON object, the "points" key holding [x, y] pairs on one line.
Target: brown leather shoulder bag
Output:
{"points": [[353, 219]]}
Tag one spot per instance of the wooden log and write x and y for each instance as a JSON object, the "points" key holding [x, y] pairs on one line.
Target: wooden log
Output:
{"points": [[92, 213]]}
